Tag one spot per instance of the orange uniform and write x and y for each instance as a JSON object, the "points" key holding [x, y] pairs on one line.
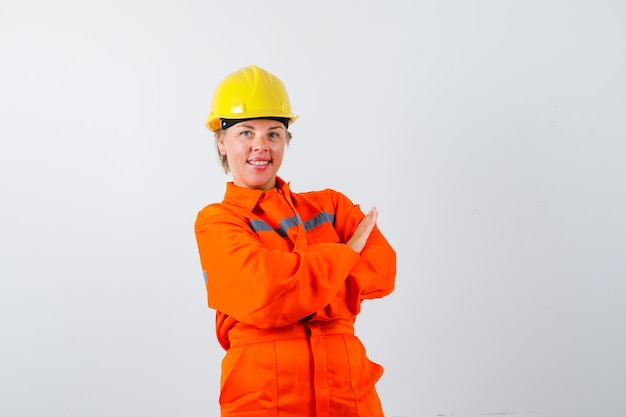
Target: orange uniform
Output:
{"points": [[287, 290]]}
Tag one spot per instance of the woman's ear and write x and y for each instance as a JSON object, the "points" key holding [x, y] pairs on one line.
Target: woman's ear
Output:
{"points": [[221, 147]]}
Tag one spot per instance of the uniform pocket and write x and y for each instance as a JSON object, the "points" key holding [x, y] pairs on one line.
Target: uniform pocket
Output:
{"points": [[248, 381], [362, 368], [364, 374]]}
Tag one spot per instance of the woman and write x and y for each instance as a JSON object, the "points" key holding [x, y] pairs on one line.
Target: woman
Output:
{"points": [[286, 272]]}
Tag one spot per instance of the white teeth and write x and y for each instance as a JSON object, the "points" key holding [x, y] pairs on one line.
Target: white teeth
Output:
{"points": [[259, 163]]}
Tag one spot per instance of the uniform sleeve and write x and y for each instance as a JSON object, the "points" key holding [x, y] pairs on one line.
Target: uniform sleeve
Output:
{"points": [[261, 286], [376, 270]]}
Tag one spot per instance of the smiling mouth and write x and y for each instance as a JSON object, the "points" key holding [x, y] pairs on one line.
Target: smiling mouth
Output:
{"points": [[259, 163]]}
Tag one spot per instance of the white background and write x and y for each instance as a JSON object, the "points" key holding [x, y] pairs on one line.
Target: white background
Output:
{"points": [[491, 135]]}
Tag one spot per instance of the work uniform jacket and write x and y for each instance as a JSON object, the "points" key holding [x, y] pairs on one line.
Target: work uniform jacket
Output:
{"points": [[287, 290]]}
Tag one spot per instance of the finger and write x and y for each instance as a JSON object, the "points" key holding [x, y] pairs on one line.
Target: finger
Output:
{"points": [[368, 223], [372, 216], [374, 213]]}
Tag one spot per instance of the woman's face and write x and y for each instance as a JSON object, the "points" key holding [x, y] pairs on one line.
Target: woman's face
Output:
{"points": [[254, 149]]}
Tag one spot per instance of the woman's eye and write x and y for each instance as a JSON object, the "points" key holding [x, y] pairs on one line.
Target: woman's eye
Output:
{"points": [[274, 135], [245, 133]]}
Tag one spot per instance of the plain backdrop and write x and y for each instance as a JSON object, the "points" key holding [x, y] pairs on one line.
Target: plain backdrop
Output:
{"points": [[490, 134]]}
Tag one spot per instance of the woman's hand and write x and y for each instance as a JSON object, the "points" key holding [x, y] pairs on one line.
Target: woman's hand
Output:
{"points": [[359, 238]]}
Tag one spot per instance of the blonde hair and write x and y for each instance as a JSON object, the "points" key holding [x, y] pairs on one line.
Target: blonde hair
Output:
{"points": [[219, 135]]}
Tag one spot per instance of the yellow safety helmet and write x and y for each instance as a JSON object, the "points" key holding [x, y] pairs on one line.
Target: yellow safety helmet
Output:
{"points": [[249, 93]]}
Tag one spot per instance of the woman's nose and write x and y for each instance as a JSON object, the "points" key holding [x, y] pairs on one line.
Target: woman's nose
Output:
{"points": [[259, 143]]}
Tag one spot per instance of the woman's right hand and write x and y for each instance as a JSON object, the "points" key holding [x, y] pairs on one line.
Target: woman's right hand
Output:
{"points": [[361, 234]]}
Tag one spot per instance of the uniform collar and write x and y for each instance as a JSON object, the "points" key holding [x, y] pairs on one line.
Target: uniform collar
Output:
{"points": [[248, 198]]}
